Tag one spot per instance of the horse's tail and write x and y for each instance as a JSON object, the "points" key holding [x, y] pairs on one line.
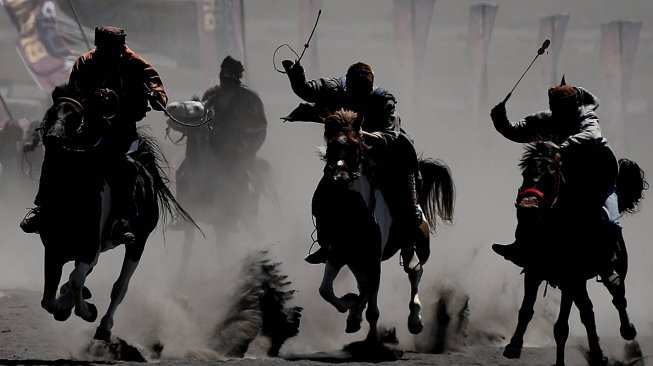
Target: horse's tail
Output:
{"points": [[168, 205], [630, 186], [436, 193]]}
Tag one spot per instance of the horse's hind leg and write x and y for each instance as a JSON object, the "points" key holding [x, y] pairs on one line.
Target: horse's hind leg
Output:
{"points": [[532, 283], [586, 312], [189, 238], [129, 264], [618, 292], [561, 327], [414, 270]]}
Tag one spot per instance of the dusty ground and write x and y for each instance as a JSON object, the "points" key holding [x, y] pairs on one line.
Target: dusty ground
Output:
{"points": [[29, 336]]}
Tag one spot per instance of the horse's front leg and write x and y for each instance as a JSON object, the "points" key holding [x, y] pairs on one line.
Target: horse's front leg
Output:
{"points": [[414, 270], [561, 327], [53, 267], [83, 309], [370, 293], [586, 312], [326, 290], [129, 264], [532, 283]]}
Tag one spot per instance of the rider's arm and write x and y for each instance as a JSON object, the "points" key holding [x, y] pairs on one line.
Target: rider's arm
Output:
{"points": [[309, 90], [523, 131], [153, 80], [387, 128]]}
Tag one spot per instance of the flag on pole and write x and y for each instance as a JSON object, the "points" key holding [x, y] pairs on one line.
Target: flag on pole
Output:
{"points": [[208, 39], [42, 49], [308, 10], [412, 19], [231, 30], [553, 28], [618, 45], [479, 33]]}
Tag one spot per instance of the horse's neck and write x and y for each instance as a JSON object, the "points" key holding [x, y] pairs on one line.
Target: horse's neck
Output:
{"points": [[364, 187]]}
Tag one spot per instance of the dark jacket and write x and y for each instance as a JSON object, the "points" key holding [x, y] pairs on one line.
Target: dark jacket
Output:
{"points": [[239, 123], [127, 79], [378, 109]]}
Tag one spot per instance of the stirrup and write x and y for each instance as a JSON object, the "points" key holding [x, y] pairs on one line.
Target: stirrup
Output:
{"points": [[32, 220]]}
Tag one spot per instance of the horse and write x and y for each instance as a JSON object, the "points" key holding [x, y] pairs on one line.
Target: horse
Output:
{"points": [[218, 189], [540, 206], [78, 222], [356, 223], [11, 134]]}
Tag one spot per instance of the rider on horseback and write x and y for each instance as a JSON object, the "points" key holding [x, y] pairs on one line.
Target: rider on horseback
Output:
{"points": [[572, 124], [395, 168], [113, 66]]}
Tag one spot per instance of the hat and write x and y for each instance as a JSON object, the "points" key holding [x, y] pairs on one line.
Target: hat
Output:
{"points": [[361, 70], [109, 36], [232, 66], [563, 92]]}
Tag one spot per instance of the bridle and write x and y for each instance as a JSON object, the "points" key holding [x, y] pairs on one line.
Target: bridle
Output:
{"points": [[547, 202], [331, 167]]}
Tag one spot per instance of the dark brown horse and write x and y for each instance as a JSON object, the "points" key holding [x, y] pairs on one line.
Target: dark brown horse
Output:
{"points": [[568, 242], [356, 223], [79, 217]]}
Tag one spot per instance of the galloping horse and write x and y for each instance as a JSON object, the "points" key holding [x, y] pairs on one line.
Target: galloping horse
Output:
{"points": [[356, 223], [550, 203], [79, 218], [218, 190]]}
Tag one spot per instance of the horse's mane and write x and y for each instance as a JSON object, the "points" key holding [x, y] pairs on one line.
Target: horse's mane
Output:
{"points": [[338, 121], [539, 151]]}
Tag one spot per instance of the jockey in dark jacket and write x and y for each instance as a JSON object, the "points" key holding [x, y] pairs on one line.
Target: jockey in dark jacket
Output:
{"points": [[572, 124], [112, 65], [396, 168]]}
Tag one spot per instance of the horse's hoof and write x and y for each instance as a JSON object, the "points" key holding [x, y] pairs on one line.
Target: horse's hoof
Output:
{"points": [[93, 313], [512, 351], [353, 325], [351, 299], [628, 332], [65, 289], [415, 326], [102, 334], [62, 315]]}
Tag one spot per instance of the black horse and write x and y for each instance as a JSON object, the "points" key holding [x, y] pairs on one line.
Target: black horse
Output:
{"points": [[356, 223], [568, 240], [79, 217]]}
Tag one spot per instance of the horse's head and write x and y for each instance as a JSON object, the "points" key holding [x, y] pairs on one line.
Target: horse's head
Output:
{"points": [[541, 177], [76, 122], [344, 146]]}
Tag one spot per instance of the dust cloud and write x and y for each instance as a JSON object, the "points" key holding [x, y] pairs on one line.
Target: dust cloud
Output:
{"points": [[182, 314]]}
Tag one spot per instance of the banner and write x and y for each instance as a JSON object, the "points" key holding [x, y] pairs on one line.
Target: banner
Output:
{"points": [[479, 33], [231, 31], [618, 45], [308, 10], [44, 52], [208, 40], [552, 27], [412, 19]]}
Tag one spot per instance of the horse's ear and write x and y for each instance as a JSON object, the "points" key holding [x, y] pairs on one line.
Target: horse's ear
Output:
{"points": [[358, 122]]}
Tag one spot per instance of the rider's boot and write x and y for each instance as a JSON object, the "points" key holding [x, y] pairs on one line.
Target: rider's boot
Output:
{"points": [[318, 257], [513, 252], [32, 221]]}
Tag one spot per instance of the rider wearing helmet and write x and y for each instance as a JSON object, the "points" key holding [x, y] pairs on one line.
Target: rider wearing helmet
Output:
{"points": [[114, 66], [396, 169]]}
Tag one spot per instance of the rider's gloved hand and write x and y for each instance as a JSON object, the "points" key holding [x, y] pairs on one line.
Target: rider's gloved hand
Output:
{"points": [[499, 113], [293, 69]]}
